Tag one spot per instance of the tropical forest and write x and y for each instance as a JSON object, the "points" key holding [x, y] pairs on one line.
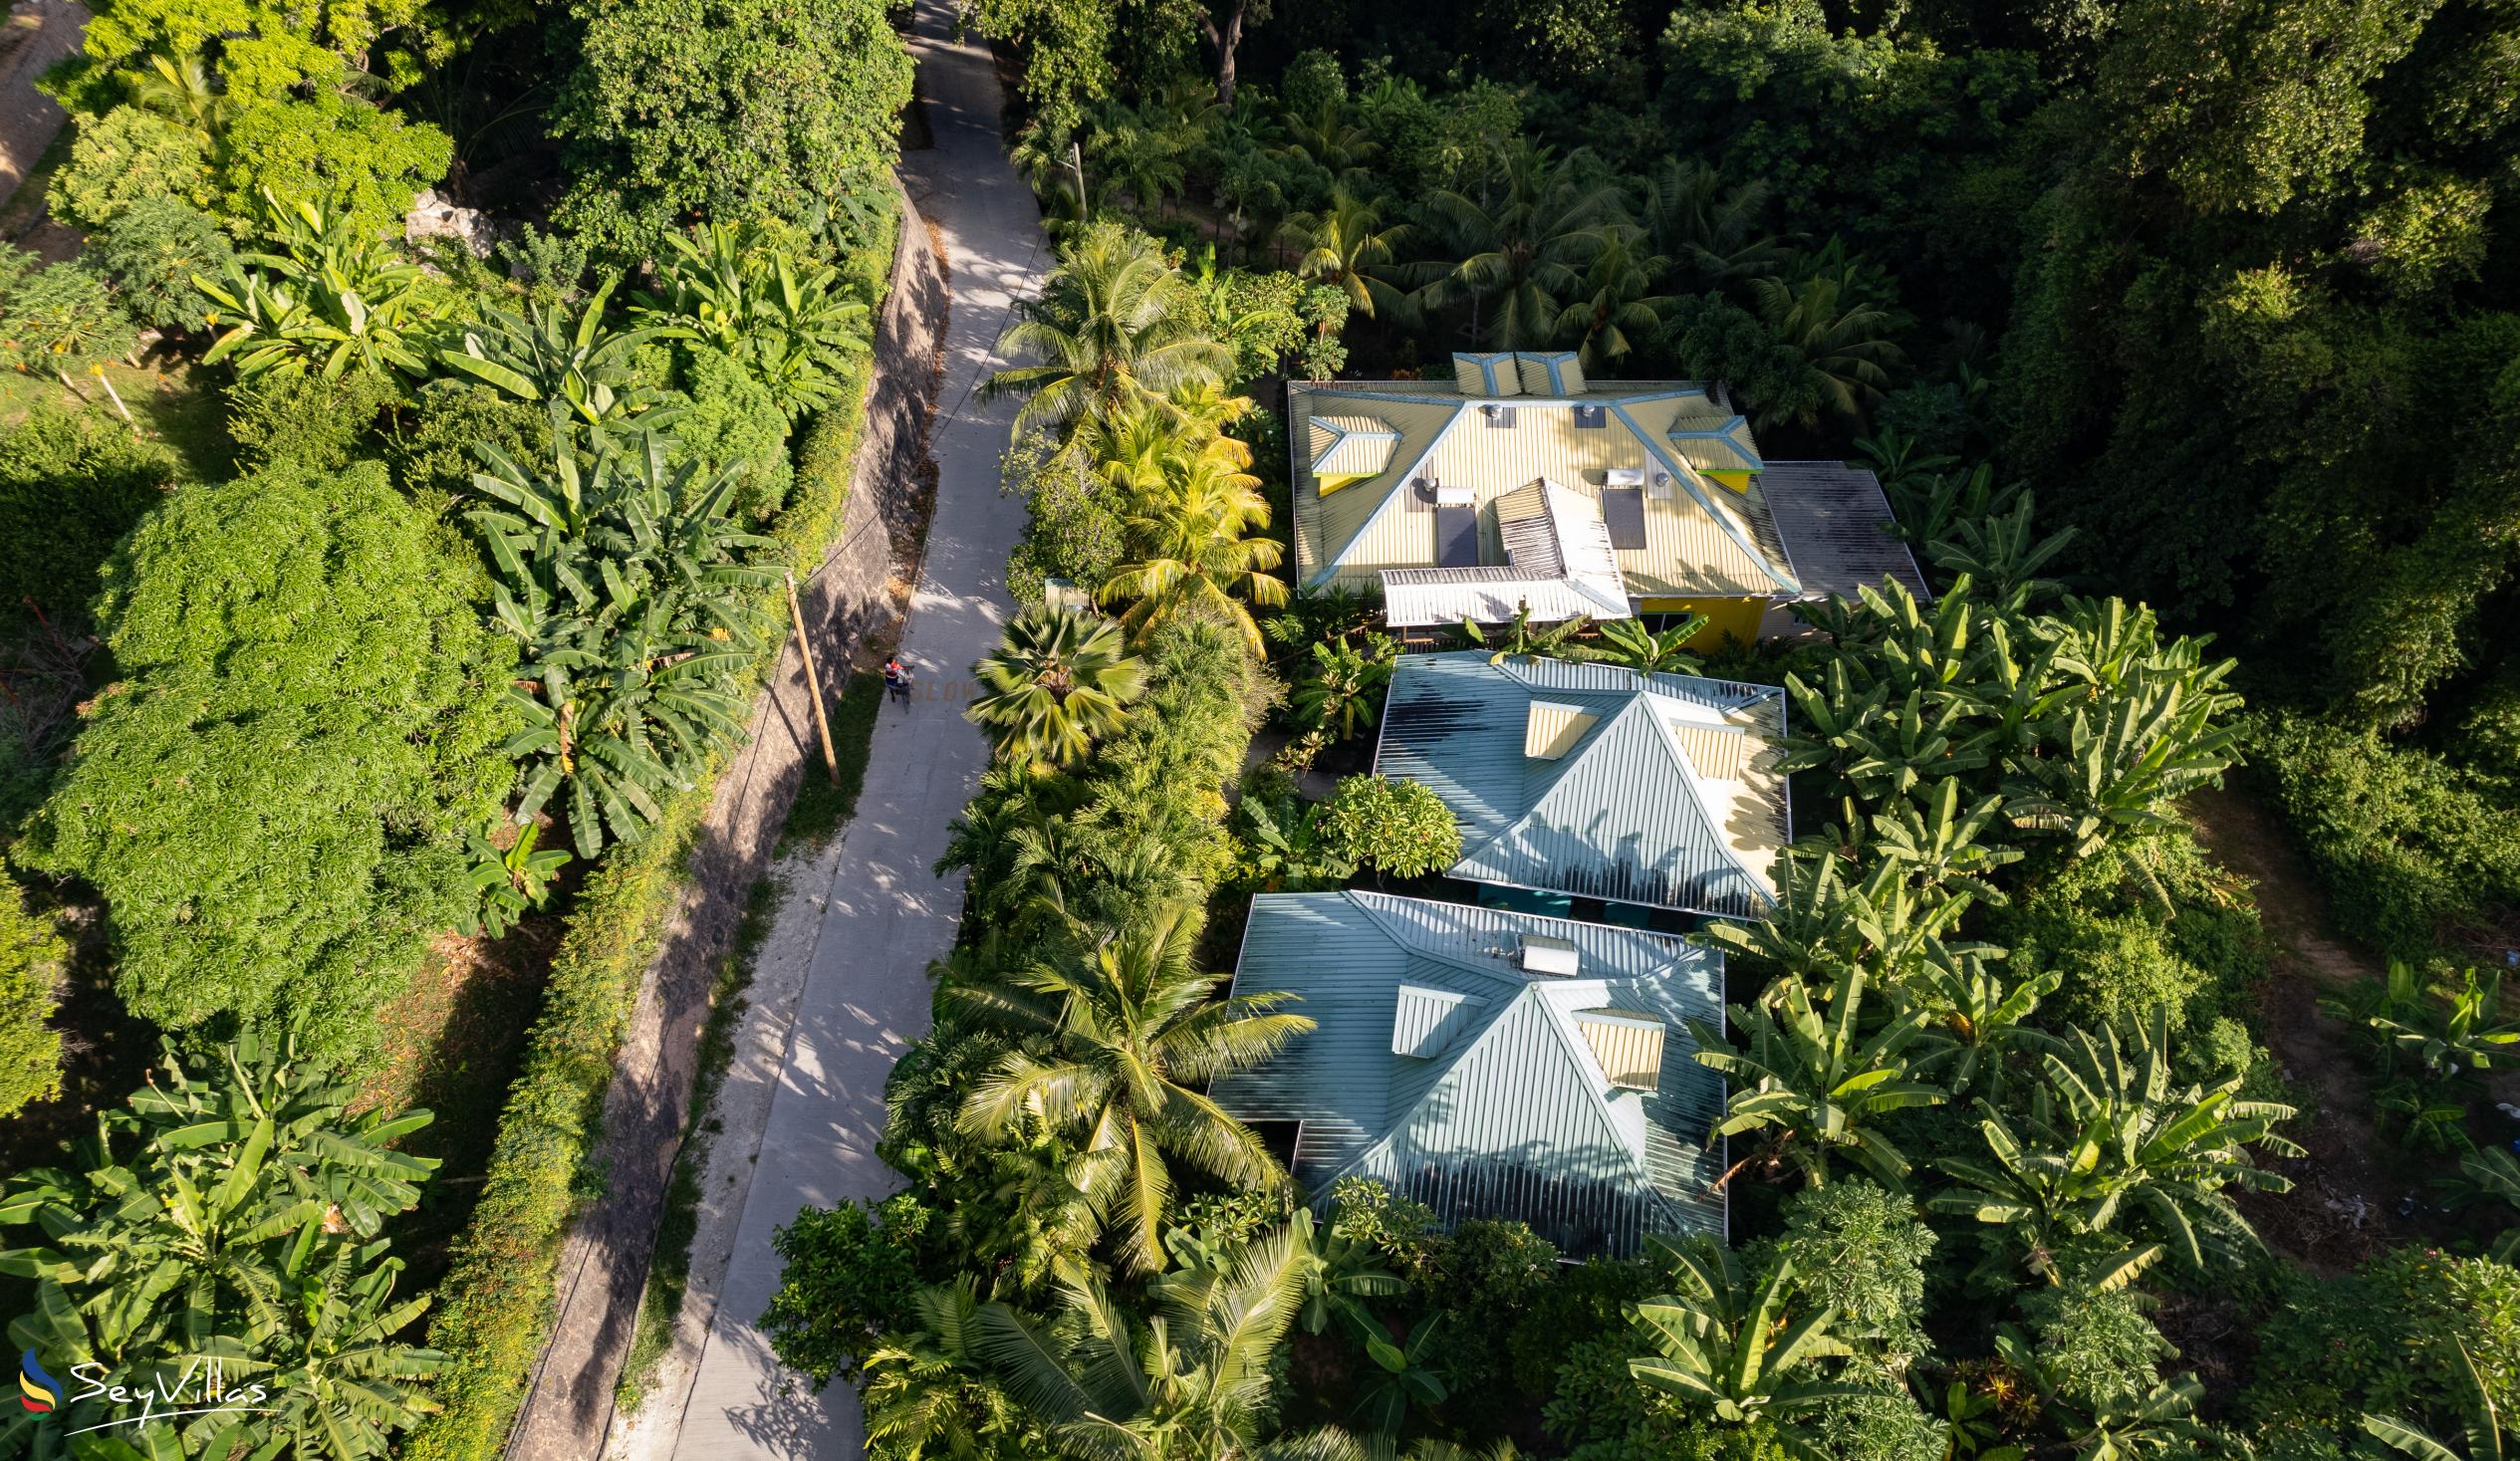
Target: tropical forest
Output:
{"points": [[1260, 730]]}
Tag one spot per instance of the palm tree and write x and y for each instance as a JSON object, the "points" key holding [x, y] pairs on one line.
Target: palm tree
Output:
{"points": [[1116, 327], [1193, 551], [2109, 1137], [1133, 1037], [1197, 1382], [1845, 345], [1813, 1079], [1708, 231], [1340, 693], [1721, 1341], [1331, 141], [1345, 246], [1526, 249], [1057, 680], [1613, 308], [928, 1392]]}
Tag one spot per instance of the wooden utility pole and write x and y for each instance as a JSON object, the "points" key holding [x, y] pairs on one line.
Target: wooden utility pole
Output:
{"points": [[813, 681], [1076, 159]]}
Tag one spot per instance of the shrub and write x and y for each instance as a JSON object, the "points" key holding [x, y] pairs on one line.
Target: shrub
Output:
{"points": [[2383, 1339], [2096, 1344], [1073, 531], [273, 797], [1400, 828], [33, 956], [123, 159], [734, 420], [305, 420], [846, 1274], [431, 445], [360, 163], [71, 485], [1859, 1248], [2401, 840], [151, 250]]}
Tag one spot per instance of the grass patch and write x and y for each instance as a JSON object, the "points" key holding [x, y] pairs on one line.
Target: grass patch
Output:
{"points": [[172, 401], [670, 1266], [822, 806]]}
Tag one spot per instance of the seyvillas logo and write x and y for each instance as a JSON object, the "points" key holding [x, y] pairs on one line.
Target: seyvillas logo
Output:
{"points": [[37, 1391]]}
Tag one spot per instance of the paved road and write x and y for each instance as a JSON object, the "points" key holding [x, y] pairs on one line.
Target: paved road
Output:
{"points": [[885, 914], [28, 118]]}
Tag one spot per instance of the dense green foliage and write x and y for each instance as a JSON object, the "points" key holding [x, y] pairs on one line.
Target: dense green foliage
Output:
{"points": [[34, 959], [273, 797], [230, 1212], [70, 487]]}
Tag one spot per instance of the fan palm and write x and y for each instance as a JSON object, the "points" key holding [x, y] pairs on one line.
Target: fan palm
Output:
{"points": [[1845, 345], [1057, 680], [1523, 253], [1811, 1079], [1116, 327], [2109, 1137], [1133, 1037], [1727, 1343], [1194, 551], [1348, 247]]}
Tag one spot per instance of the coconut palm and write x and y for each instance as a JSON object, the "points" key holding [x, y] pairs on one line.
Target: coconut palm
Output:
{"points": [[2109, 1137], [1194, 551], [1332, 142], [1708, 232], [1724, 1342], [1811, 1079], [1348, 247], [1195, 1382], [1342, 687], [1844, 344], [1613, 306], [1057, 680], [1116, 327], [928, 1392], [1132, 1034], [1523, 251]]}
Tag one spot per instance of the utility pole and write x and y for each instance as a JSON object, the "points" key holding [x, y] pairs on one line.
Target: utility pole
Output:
{"points": [[1076, 159], [813, 681]]}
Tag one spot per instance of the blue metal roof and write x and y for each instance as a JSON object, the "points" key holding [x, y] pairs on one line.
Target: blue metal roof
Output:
{"points": [[1623, 815], [1505, 1112]]}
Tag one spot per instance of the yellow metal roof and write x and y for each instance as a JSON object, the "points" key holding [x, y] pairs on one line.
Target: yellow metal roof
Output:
{"points": [[1701, 539]]}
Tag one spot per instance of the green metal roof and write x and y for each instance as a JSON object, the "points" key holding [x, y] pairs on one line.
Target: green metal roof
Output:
{"points": [[1442, 1068], [1624, 814]]}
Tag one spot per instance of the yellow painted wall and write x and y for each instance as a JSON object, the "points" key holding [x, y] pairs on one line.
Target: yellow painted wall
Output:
{"points": [[1737, 481], [1738, 618], [1333, 484]]}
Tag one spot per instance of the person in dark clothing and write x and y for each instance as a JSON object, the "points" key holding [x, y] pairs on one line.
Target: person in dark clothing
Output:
{"points": [[896, 678]]}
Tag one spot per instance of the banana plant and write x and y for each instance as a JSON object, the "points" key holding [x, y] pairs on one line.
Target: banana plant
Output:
{"points": [[1517, 639], [2109, 1138], [2460, 1027], [1727, 1343], [1407, 1375], [329, 298], [231, 1211], [622, 579], [512, 883], [540, 356], [734, 289], [1942, 845], [1648, 652], [2493, 1175], [1977, 1019], [2126, 767], [2002, 554], [1814, 1081], [1822, 920]]}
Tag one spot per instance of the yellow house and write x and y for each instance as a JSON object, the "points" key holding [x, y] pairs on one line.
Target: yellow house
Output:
{"points": [[1521, 485]]}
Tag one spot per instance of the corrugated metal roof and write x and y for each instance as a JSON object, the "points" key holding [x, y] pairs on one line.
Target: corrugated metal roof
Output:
{"points": [[1700, 539], [1352, 445], [1517, 1118], [1836, 524], [1715, 441], [1626, 813]]}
